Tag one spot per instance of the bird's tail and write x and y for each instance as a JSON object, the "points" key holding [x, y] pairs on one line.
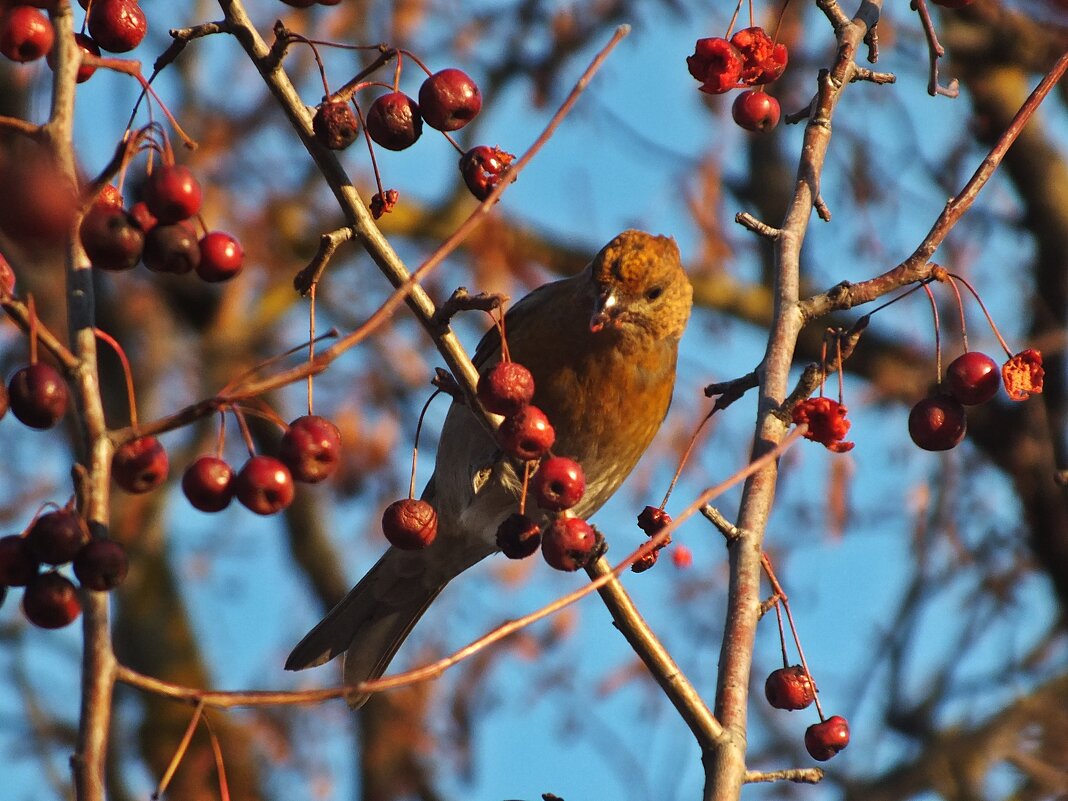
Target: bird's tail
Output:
{"points": [[371, 622]]}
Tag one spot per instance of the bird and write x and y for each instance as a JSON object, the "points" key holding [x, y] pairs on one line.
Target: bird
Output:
{"points": [[602, 346]]}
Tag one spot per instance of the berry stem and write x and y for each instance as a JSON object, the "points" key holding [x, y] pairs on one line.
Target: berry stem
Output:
{"points": [[782, 632], [32, 307], [245, 433], [841, 370], [370, 148], [528, 468], [268, 362], [220, 438], [730, 27], [989, 319], [453, 142], [417, 60], [180, 752], [220, 764], [311, 346], [938, 333], [296, 37], [960, 309], [415, 446], [685, 457], [131, 398]]}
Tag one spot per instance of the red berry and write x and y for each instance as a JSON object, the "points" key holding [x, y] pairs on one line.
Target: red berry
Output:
{"points": [[221, 257], [518, 536], [311, 448], [38, 395], [763, 59], [7, 278], [973, 378], [755, 110], [652, 519], [112, 238], [937, 423], [139, 211], [559, 483], [40, 201], [109, 196], [789, 688], [526, 434], [56, 537], [208, 484], [335, 124], [173, 193], [17, 563], [394, 122], [570, 543], [264, 485], [101, 565], [118, 26], [410, 524], [716, 63], [51, 601], [85, 71], [172, 249], [449, 99], [506, 388], [825, 739], [140, 465], [482, 168], [681, 557], [25, 34]]}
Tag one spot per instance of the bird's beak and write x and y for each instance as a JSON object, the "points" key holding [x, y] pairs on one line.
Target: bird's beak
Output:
{"points": [[605, 310]]}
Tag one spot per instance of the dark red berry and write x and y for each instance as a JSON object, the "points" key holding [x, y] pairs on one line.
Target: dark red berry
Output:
{"points": [[38, 395], [118, 26], [25, 34], [17, 563], [4, 404], [51, 601], [39, 202], [570, 543], [172, 249], [394, 122], [652, 519], [85, 71], [526, 434], [716, 63], [518, 536], [221, 257], [449, 99], [335, 124], [825, 739], [410, 524], [646, 560], [506, 388], [140, 465], [172, 194], [112, 238], [789, 688], [7, 277], [973, 378], [101, 565], [383, 202], [208, 484], [937, 423], [311, 448], [56, 537], [482, 168], [755, 110], [264, 485], [954, 4], [558, 483]]}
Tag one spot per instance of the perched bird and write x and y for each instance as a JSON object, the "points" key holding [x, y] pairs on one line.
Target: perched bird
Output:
{"points": [[602, 347]]}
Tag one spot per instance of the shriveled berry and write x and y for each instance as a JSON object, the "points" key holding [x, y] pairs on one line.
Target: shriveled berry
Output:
{"points": [[221, 257], [394, 121], [449, 99], [505, 388], [527, 434], [789, 688], [112, 238], [518, 536], [825, 739], [140, 465], [25, 34], [51, 601], [56, 537], [652, 519], [173, 193], [311, 448], [17, 563], [482, 168], [763, 59], [335, 124], [38, 395], [973, 378], [101, 565], [410, 524], [208, 484], [570, 543], [172, 249], [118, 26], [264, 485], [755, 110], [716, 63], [937, 423], [558, 483]]}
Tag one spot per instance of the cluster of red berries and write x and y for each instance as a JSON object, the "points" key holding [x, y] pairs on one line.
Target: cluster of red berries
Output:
{"points": [[54, 539], [750, 58], [792, 688], [26, 34], [159, 230], [939, 423]]}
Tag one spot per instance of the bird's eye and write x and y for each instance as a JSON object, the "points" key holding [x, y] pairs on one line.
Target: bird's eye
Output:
{"points": [[653, 292]]}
